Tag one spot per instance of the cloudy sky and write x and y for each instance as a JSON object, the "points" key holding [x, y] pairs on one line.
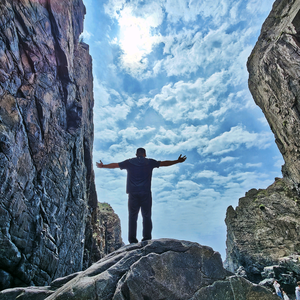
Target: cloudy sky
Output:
{"points": [[170, 76]]}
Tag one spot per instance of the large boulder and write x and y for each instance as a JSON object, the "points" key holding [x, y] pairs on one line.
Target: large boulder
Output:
{"points": [[154, 270]]}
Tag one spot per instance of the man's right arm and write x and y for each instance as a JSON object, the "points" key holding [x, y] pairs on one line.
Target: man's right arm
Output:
{"points": [[108, 166]]}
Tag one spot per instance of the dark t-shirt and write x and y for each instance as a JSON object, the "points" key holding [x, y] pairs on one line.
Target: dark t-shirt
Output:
{"points": [[139, 173]]}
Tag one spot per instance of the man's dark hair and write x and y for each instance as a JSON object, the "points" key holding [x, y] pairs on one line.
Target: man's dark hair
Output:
{"points": [[140, 152]]}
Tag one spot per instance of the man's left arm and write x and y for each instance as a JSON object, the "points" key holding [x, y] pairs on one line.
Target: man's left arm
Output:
{"points": [[167, 163]]}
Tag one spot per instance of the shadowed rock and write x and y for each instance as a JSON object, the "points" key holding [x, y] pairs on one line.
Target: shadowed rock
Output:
{"points": [[158, 269], [48, 210]]}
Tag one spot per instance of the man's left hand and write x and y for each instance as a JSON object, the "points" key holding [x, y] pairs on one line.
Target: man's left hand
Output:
{"points": [[181, 158]]}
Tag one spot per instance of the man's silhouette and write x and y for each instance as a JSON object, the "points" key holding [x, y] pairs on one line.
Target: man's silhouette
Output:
{"points": [[138, 188]]}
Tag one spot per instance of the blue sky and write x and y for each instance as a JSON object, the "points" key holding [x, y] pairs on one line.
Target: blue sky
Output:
{"points": [[170, 76]]}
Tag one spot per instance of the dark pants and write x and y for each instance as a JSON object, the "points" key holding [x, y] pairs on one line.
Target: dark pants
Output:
{"points": [[135, 203]]}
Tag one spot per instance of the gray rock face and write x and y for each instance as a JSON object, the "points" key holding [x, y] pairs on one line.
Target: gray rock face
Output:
{"points": [[105, 236], [159, 269], [110, 226], [47, 192], [262, 229], [274, 70], [236, 288]]}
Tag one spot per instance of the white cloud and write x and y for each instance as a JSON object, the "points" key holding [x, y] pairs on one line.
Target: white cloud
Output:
{"points": [[279, 162], [238, 180], [185, 50], [86, 35], [263, 121], [137, 37], [112, 7], [249, 165], [107, 118], [233, 139], [189, 50], [185, 138], [188, 11], [143, 101], [101, 94], [106, 135], [133, 133], [228, 159], [258, 6], [213, 175], [217, 11], [189, 100]]}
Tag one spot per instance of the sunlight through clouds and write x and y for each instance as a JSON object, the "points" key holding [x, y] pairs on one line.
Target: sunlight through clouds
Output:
{"points": [[137, 37], [170, 76]]}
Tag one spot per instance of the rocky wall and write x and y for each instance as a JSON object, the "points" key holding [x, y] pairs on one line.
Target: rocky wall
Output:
{"points": [[48, 202], [274, 70], [263, 230]]}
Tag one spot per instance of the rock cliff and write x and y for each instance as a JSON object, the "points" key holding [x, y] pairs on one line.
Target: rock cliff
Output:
{"points": [[159, 269], [111, 228], [274, 69], [105, 236], [263, 230], [48, 203]]}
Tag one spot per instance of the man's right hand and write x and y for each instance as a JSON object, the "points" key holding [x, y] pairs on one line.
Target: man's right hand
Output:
{"points": [[108, 166], [100, 164]]}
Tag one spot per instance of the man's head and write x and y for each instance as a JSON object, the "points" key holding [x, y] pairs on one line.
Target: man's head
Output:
{"points": [[141, 152], [298, 283]]}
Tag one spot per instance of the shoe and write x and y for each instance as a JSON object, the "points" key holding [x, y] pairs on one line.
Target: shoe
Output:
{"points": [[133, 242]]}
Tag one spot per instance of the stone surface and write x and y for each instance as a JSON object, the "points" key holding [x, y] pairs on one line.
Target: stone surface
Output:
{"points": [[48, 203], [105, 236], [154, 270], [110, 225], [262, 229], [287, 273], [274, 70], [234, 288]]}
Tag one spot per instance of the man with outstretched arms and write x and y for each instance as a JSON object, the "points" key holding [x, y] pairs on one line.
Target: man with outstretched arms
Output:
{"points": [[138, 188]]}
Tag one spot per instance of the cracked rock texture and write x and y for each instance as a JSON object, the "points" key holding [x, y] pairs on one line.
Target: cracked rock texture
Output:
{"points": [[274, 71], [105, 236], [264, 228], [111, 228], [48, 203], [154, 270]]}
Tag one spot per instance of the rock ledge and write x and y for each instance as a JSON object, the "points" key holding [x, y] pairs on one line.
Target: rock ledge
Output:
{"points": [[157, 269]]}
